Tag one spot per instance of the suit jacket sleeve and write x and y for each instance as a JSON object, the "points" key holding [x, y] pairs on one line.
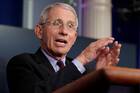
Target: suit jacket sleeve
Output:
{"points": [[25, 75]]}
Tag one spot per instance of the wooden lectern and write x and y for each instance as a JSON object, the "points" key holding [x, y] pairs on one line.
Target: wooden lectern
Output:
{"points": [[100, 80]]}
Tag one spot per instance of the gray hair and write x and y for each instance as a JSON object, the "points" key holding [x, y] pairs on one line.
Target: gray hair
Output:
{"points": [[45, 11]]}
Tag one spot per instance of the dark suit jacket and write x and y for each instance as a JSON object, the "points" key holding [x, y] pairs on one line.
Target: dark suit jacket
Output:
{"points": [[32, 73]]}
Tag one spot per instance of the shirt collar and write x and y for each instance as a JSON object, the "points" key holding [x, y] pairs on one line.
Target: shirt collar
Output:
{"points": [[53, 61]]}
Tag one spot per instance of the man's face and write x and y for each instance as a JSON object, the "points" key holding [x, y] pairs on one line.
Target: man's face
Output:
{"points": [[59, 34]]}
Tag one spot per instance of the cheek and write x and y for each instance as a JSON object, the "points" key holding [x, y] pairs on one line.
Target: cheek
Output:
{"points": [[48, 38], [72, 39]]}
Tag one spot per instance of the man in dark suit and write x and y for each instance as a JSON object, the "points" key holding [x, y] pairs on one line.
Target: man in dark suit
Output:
{"points": [[56, 30]]}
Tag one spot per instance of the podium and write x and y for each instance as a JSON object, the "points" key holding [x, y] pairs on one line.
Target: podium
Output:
{"points": [[99, 81]]}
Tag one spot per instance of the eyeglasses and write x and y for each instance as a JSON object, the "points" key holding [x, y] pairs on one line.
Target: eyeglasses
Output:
{"points": [[58, 23]]}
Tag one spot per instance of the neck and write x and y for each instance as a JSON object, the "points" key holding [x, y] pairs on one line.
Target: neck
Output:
{"points": [[53, 55]]}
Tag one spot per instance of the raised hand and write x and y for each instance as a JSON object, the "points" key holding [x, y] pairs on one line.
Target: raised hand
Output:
{"points": [[108, 56], [93, 50]]}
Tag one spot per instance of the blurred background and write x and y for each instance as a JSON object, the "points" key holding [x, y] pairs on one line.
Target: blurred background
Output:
{"points": [[97, 19]]}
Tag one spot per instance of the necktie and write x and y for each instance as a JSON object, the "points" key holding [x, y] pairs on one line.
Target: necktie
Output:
{"points": [[60, 64]]}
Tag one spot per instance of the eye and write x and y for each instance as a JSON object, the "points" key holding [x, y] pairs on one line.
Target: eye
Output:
{"points": [[57, 23], [71, 25]]}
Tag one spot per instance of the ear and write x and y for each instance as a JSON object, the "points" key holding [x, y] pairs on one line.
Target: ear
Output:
{"points": [[38, 32]]}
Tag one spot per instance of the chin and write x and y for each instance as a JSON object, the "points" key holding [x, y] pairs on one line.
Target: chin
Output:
{"points": [[61, 51]]}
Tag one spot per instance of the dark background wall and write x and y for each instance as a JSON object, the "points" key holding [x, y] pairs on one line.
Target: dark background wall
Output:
{"points": [[11, 12], [126, 23]]}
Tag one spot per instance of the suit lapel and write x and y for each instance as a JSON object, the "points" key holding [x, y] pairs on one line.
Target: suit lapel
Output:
{"points": [[42, 60], [68, 60]]}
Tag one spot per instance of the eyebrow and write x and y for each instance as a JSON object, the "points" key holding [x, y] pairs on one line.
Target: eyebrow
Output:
{"points": [[62, 20]]}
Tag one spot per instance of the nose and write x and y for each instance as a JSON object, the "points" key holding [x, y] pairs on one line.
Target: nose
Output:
{"points": [[63, 30]]}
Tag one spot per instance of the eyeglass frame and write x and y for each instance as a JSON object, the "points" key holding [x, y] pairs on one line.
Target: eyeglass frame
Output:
{"points": [[61, 24]]}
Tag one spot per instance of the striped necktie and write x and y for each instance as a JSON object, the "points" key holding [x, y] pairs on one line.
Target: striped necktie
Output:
{"points": [[60, 64]]}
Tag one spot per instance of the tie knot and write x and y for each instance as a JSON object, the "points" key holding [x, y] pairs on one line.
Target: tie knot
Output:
{"points": [[60, 64]]}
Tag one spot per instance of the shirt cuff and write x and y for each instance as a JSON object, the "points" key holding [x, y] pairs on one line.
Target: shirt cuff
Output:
{"points": [[79, 66]]}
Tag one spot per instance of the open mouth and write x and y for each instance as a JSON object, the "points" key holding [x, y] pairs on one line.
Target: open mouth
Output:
{"points": [[61, 41]]}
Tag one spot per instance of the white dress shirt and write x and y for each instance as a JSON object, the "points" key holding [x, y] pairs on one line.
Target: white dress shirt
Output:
{"points": [[53, 62]]}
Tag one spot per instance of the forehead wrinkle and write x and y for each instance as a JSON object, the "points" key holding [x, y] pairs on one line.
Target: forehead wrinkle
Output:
{"points": [[51, 12]]}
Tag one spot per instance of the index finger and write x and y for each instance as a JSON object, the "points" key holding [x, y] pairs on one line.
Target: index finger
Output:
{"points": [[102, 42]]}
